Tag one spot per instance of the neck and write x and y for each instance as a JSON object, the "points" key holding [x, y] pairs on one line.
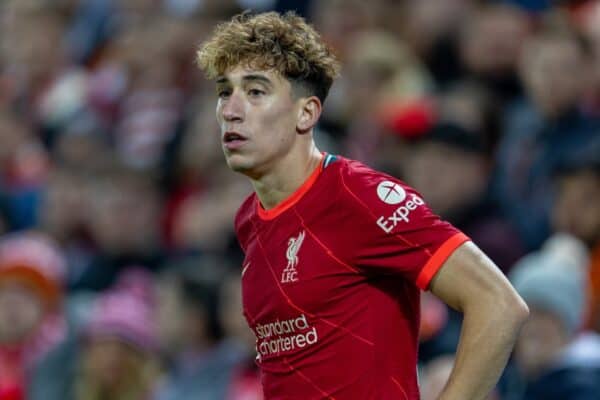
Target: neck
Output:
{"points": [[287, 177]]}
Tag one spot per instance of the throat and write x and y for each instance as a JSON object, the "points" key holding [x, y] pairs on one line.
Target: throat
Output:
{"points": [[276, 189]]}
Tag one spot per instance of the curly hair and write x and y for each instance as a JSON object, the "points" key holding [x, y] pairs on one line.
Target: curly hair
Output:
{"points": [[285, 43]]}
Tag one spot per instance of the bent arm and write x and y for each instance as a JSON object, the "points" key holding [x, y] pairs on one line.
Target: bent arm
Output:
{"points": [[493, 314]]}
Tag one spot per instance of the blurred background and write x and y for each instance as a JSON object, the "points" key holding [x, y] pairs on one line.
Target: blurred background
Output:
{"points": [[119, 271]]}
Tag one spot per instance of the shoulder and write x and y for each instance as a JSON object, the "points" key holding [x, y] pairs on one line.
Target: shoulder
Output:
{"points": [[368, 185], [358, 174]]}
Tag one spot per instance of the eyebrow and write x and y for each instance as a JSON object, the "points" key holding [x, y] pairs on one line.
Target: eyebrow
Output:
{"points": [[249, 77], [257, 77]]}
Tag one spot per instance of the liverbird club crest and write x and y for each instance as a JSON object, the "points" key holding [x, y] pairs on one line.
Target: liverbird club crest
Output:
{"points": [[290, 274]]}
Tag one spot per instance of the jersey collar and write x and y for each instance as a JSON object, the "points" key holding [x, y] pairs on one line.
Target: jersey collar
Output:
{"points": [[294, 197]]}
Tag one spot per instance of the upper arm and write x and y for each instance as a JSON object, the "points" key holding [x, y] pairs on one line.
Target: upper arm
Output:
{"points": [[469, 278]]}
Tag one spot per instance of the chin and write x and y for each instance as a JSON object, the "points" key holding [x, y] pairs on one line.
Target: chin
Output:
{"points": [[238, 164]]}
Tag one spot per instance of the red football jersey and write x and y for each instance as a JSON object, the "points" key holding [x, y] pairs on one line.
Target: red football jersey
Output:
{"points": [[331, 279]]}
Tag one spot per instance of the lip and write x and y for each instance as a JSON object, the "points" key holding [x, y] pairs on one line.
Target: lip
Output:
{"points": [[233, 140]]}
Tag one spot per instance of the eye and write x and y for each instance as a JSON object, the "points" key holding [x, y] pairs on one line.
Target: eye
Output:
{"points": [[223, 93], [256, 92]]}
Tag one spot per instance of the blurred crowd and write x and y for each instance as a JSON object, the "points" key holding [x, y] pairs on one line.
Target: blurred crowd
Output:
{"points": [[119, 270]]}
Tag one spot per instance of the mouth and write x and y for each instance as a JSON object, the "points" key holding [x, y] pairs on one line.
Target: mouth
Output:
{"points": [[232, 137], [233, 140]]}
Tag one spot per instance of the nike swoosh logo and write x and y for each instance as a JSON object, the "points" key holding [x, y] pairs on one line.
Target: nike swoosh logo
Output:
{"points": [[245, 268]]}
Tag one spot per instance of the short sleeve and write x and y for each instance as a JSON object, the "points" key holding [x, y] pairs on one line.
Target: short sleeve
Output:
{"points": [[395, 232]]}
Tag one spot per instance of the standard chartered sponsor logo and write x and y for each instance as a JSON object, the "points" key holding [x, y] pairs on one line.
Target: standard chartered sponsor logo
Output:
{"points": [[286, 335], [401, 213]]}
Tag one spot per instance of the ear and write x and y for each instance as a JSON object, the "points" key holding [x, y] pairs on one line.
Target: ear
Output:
{"points": [[308, 114]]}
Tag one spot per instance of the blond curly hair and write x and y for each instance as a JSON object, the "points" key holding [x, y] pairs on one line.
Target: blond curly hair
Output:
{"points": [[284, 43]]}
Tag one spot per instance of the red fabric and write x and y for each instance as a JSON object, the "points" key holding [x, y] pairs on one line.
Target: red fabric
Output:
{"points": [[17, 359], [410, 120], [330, 285], [172, 209], [12, 375], [593, 307], [12, 392], [245, 385]]}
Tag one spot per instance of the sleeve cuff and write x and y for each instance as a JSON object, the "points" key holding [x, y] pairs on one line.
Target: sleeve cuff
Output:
{"points": [[438, 258]]}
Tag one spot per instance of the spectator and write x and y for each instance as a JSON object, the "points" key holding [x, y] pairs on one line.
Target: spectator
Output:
{"points": [[450, 168], [575, 212], [200, 366], [112, 353], [118, 358], [24, 165], [244, 383], [151, 108], [31, 322], [117, 196], [590, 27], [450, 165], [382, 73], [432, 29], [552, 360], [490, 44], [543, 131], [32, 69]]}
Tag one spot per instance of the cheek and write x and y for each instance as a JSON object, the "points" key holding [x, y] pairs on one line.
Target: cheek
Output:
{"points": [[575, 213], [279, 118], [586, 223], [539, 341], [31, 315], [19, 312]]}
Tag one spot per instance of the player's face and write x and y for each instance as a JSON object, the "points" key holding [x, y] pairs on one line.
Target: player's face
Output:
{"points": [[258, 116]]}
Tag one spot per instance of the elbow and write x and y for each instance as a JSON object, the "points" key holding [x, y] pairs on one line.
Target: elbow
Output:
{"points": [[522, 311], [500, 306], [515, 309], [506, 305]]}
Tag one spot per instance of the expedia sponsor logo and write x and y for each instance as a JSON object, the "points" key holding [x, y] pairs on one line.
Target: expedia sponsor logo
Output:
{"points": [[390, 192], [400, 214]]}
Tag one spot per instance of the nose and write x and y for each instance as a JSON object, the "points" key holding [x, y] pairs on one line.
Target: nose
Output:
{"points": [[232, 108]]}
